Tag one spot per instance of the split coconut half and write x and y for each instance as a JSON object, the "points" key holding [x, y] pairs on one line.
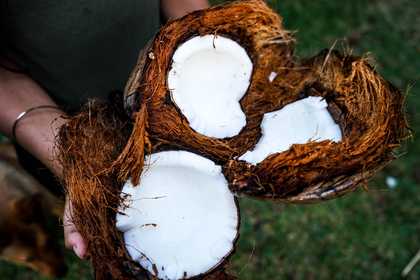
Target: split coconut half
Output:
{"points": [[209, 76], [201, 77], [170, 223], [303, 121], [181, 221], [218, 106]]}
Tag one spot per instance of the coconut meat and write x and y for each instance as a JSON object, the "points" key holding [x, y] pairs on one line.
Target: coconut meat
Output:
{"points": [[297, 123], [182, 220], [208, 77]]}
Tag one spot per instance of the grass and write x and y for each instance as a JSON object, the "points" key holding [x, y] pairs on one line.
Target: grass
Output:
{"points": [[365, 235]]}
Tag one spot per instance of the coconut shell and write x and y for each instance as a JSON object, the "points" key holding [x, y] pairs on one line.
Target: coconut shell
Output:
{"points": [[100, 148], [368, 109], [92, 146], [256, 28], [370, 113]]}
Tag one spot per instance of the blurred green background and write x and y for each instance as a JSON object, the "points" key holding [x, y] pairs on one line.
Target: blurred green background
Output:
{"points": [[366, 235]]}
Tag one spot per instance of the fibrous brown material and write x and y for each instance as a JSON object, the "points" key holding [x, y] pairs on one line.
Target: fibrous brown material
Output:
{"points": [[92, 146], [367, 108], [100, 149], [258, 29], [89, 145], [369, 111]]}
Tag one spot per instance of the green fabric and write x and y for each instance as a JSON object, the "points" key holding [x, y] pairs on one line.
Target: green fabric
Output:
{"points": [[78, 49]]}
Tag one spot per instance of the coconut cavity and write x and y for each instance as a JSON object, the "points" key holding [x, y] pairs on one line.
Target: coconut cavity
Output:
{"points": [[303, 121], [208, 77], [182, 220]]}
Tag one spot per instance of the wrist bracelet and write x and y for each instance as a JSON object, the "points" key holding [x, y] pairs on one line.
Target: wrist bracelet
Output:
{"points": [[24, 113]]}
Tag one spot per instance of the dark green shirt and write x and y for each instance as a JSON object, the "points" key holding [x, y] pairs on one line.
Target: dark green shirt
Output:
{"points": [[77, 49]]}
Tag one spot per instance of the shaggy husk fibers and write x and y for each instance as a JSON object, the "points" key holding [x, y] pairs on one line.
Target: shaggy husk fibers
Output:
{"points": [[100, 148], [89, 145], [368, 108], [92, 146], [256, 28], [370, 113]]}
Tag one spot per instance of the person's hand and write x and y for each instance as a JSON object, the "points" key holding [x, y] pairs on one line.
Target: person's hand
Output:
{"points": [[36, 132], [72, 238]]}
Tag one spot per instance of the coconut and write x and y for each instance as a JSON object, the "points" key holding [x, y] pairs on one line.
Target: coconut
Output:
{"points": [[360, 114], [107, 212], [202, 76], [369, 112], [170, 224], [217, 101], [299, 122], [209, 99]]}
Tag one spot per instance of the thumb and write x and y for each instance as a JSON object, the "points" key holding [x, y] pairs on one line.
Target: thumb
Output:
{"points": [[72, 238]]}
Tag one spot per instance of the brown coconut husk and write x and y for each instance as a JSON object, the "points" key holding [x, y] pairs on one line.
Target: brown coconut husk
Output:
{"points": [[89, 144], [100, 149], [368, 108], [259, 30], [370, 113], [92, 146]]}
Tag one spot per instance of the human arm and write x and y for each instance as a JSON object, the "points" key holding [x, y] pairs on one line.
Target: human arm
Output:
{"points": [[35, 132], [177, 8]]}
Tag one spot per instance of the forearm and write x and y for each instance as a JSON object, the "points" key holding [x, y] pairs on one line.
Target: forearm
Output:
{"points": [[177, 8], [36, 132]]}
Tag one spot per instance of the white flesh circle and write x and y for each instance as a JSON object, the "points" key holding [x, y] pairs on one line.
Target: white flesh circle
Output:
{"points": [[209, 76], [182, 220], [297, 123]]}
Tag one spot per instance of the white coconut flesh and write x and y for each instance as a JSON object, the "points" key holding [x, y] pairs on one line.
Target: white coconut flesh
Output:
{"points": [[297, 123], [208, 77], [182, 220]]}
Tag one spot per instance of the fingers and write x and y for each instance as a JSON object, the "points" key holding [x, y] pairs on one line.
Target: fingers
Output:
{"points": [[72, 238], [75, 242]]}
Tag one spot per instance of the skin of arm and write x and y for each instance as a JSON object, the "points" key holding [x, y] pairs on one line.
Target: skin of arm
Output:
{"points": [[36, 131], [177, 8]]}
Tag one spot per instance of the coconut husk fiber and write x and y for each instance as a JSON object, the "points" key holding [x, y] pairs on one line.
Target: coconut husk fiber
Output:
{"points": [[255, 27], [89, 144], [91, 147], [368, 109], [370, 113], [101, 147]]}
